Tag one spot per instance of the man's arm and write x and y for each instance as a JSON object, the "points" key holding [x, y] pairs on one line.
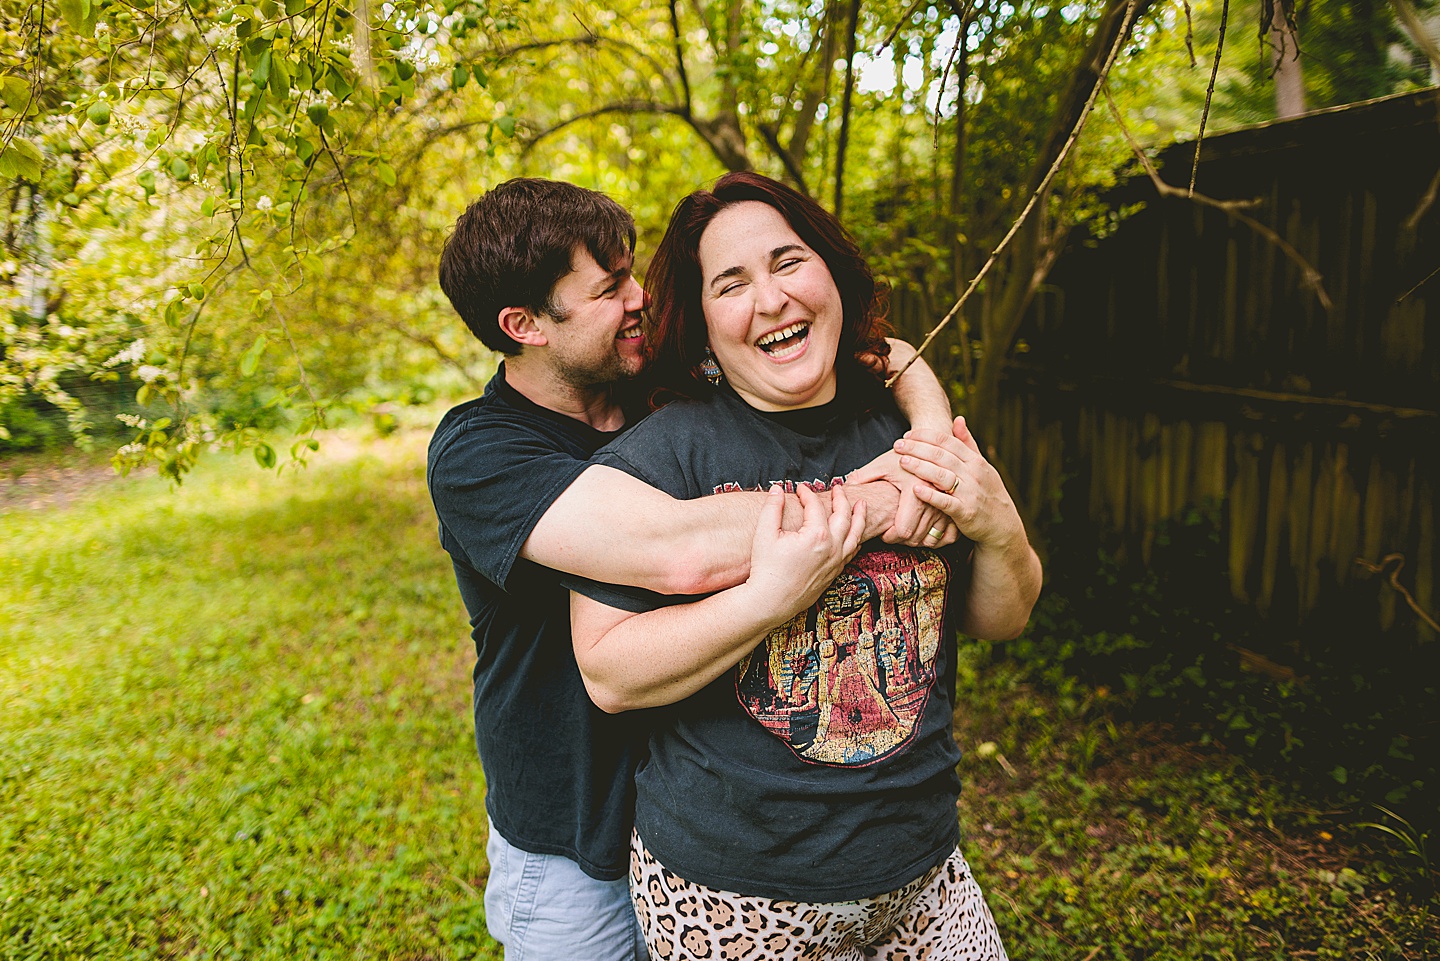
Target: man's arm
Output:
{"points": [[923, 400], [919, 394], [636, 660], [614, 528]]}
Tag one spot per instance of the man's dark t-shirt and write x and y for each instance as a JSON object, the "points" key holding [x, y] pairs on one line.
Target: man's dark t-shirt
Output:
{"points": [[822, 767], [558, 770]]}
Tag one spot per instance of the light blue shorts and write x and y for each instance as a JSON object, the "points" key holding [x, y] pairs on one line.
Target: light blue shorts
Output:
{"points": [[542, 907]]}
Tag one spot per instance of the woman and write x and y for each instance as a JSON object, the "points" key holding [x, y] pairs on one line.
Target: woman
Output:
{"points": [[799, 798]]}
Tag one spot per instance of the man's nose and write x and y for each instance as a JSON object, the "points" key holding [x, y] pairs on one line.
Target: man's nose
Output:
{"points": [[636, 297]]}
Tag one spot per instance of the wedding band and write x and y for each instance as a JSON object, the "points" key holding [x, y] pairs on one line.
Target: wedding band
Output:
{"points": [[936, 533], [954, 485]]}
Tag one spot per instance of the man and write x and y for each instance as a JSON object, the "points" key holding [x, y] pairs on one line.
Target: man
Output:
{"points": [[540, 271]]}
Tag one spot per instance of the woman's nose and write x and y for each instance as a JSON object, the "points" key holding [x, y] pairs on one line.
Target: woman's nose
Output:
{"points": [[770, 297]]}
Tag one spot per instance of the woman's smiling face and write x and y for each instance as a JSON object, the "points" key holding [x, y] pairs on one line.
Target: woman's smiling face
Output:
{"points": [[772, 310]]}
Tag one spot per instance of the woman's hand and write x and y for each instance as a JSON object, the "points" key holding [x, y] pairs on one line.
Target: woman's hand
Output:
{"points": [[789, 570], [962, 483]]}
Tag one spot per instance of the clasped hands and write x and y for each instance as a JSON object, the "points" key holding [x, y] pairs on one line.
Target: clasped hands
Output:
{"points": [[928, 491], [946, 489]]}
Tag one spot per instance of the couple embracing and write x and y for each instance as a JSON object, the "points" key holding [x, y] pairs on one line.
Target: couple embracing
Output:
{"points": [[715, 642]]}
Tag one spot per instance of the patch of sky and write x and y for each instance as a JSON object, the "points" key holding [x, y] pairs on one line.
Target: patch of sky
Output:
{"points": [[876, 74]]}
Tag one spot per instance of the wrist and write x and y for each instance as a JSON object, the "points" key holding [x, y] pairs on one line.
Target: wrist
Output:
{"points": [[1008, 545]]}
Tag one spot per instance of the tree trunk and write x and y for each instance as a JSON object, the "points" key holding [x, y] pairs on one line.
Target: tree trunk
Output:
{"points": [[1289, 84], [854, 26], [1030, 259]]}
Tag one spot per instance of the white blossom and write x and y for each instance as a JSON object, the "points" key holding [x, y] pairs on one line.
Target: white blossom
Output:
{"points": [[127, 356]]}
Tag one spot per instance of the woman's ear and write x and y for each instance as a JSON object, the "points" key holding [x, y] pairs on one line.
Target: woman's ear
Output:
{"points": [[519, 325]]}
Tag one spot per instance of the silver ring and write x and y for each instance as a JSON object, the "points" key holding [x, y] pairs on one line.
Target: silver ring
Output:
{"points": [[936, 533]]}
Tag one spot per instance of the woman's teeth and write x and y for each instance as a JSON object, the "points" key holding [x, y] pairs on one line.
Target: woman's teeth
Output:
{"points": [[785, 341]]}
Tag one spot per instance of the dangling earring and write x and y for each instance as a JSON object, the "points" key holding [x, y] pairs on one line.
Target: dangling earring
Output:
{"points": [[710, 369]]}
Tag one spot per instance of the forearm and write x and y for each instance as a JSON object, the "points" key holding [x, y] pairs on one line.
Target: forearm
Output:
{"points": [[665, 655], [1004, 585], [918, 393], [611, 527]]}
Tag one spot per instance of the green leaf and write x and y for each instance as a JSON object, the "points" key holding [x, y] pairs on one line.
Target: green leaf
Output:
{"points": [[404, 69], [207, 206], [146, 179], [179, 169], [386, 172], [197, 291], [506, 125], [204, 158], [15, 92], [279, 77], [172, 312], [79, 16], [459, 76], [99, 113], [294, 7], [250, 360], [265, 455], [261, 74], [338, 84], [22, 159], [304, 149], [318, 113]]}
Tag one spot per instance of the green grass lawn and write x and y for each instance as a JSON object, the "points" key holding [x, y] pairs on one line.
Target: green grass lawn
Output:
{"points": [[236, 725], [236, 720]]}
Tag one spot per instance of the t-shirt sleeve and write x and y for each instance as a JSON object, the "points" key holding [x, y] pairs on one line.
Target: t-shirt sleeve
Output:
{"points": [[621, 456], [491, 485]]}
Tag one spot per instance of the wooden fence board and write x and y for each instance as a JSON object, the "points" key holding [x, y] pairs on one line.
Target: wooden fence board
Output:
{"points": [[1183, 362]]}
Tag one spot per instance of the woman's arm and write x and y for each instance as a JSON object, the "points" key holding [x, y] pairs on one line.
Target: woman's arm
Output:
{"points": [[630, 661], [1005, 574]]}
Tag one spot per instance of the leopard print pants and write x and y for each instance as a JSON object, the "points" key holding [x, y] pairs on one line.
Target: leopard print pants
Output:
{"points": [[940, 916]]}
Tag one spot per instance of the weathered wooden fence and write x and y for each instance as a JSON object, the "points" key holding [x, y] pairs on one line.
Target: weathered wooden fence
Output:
{"points": [[1185, 361]]}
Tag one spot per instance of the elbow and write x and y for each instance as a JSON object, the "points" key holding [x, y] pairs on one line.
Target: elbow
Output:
{"points": [[1006, 623], [997, 630], [695, 571], [607, 697]]}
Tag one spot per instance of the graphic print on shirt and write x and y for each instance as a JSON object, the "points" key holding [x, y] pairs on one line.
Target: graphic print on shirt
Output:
{"points": [[847, 681]]}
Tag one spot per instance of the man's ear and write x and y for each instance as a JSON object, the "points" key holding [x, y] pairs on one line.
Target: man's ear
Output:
{"points": [[519, 325]]}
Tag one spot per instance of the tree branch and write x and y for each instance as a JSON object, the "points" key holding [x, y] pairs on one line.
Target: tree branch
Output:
{"points": [[622, 107], [1231, 208], [1209, 91], [1101, 70]]}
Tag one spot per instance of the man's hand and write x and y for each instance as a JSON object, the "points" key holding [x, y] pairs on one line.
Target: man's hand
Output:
{"points": [[962, 483], [914, 519]]}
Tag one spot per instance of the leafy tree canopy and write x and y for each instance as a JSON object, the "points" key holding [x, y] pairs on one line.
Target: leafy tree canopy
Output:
{"points": [[221, 217]]}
